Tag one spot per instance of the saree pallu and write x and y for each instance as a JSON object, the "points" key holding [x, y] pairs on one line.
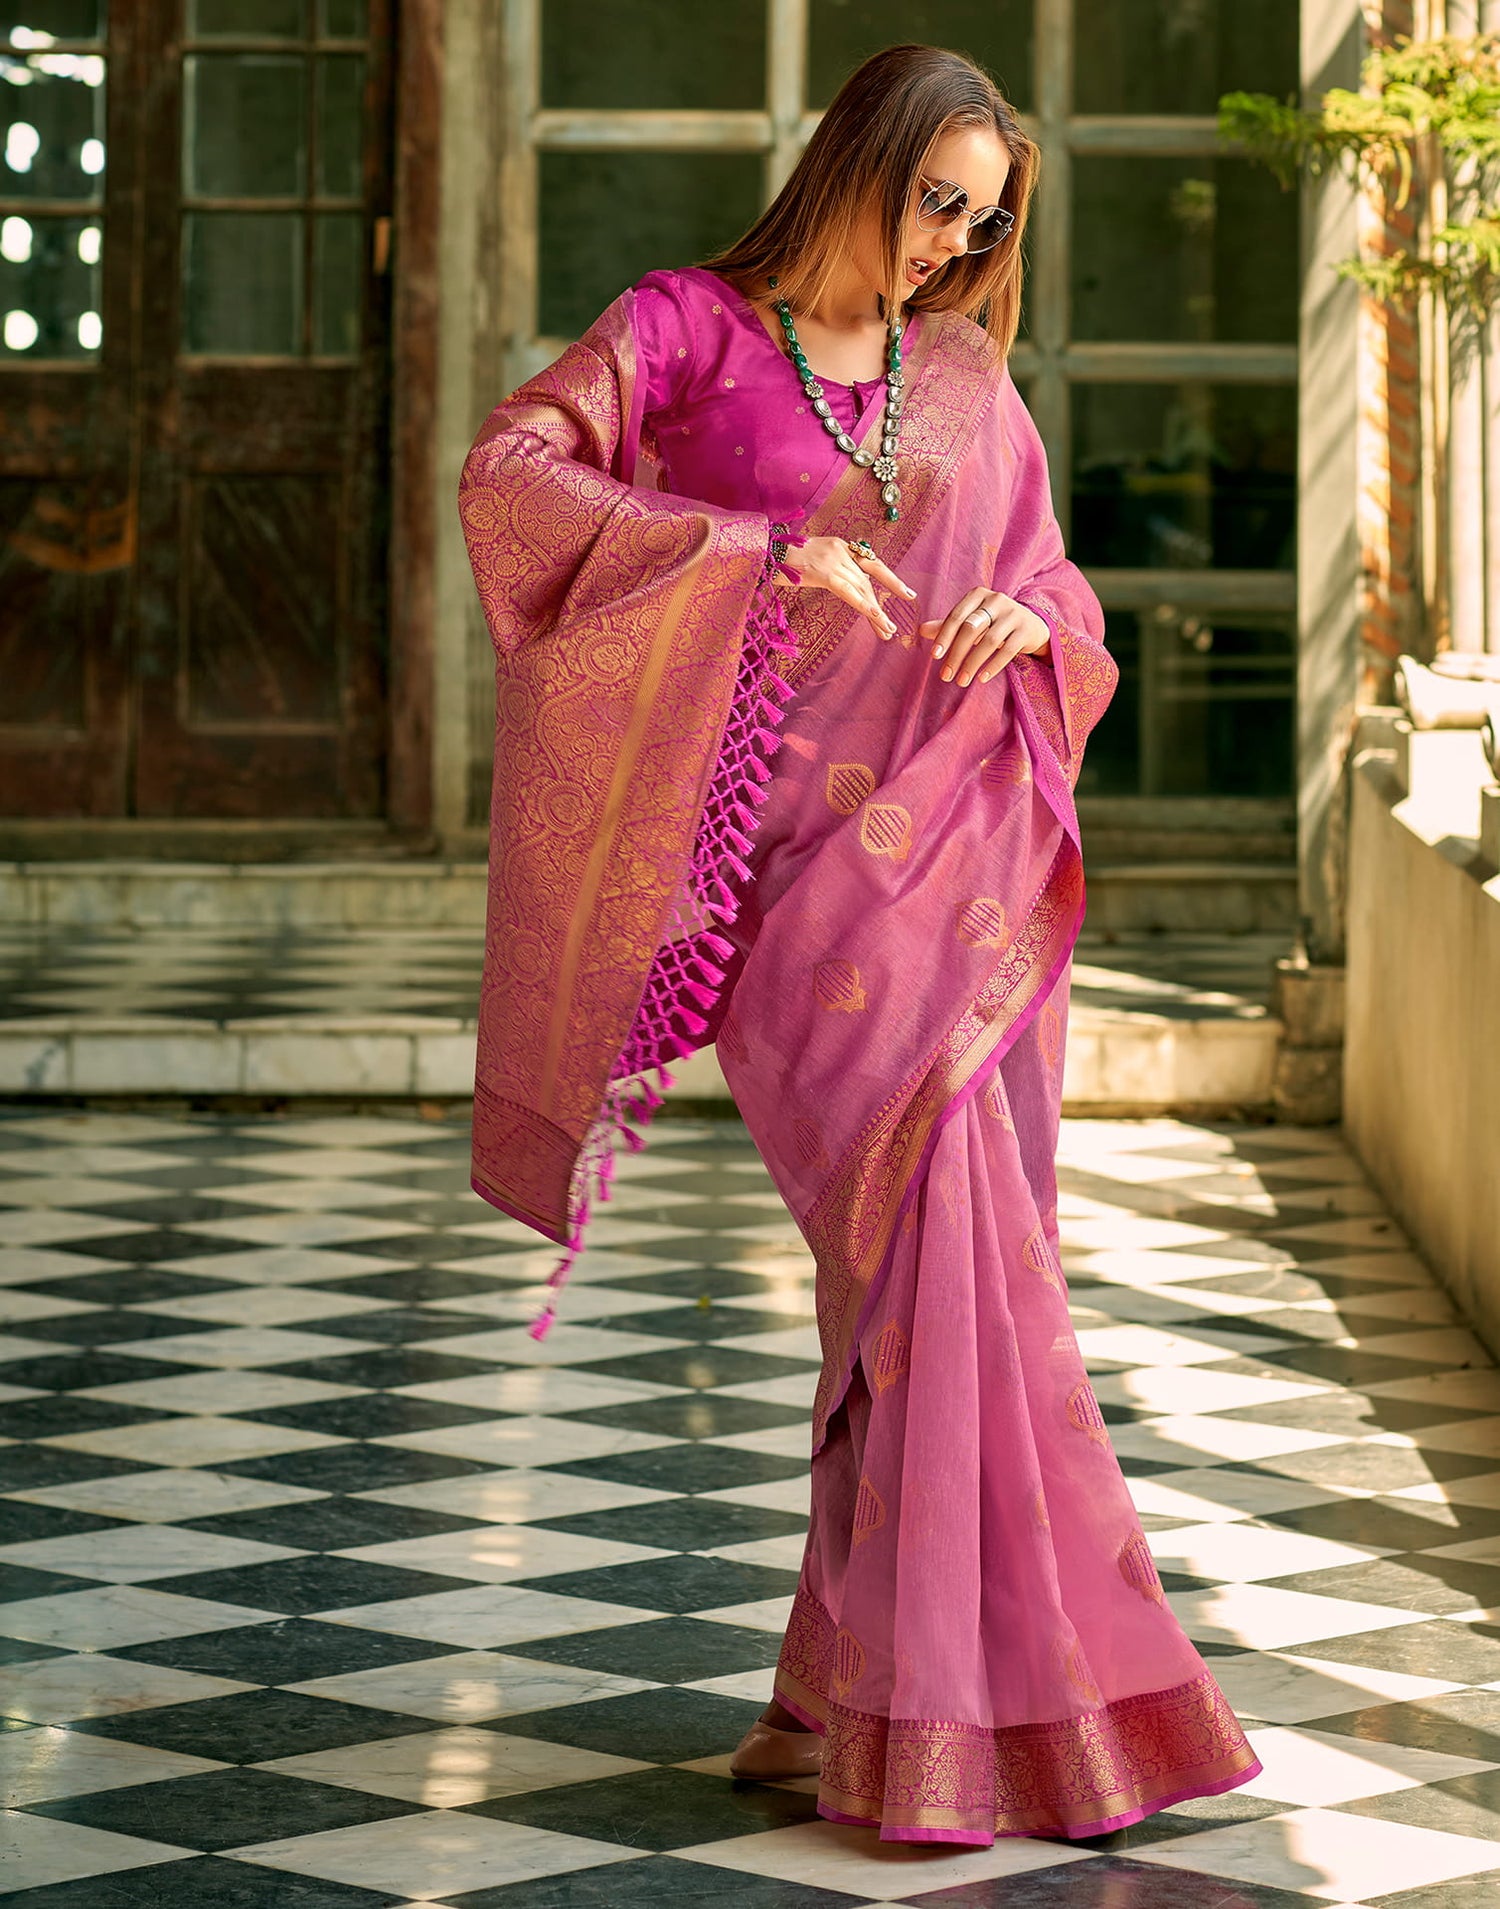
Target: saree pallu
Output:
{"points": [[978, 1630]]}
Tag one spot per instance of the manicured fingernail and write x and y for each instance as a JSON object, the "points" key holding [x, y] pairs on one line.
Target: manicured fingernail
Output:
{"points": [[941, 650], [947, 676], [912, 595]]}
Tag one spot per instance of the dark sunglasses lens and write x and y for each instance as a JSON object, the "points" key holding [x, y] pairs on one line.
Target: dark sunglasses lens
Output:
{"points": [[940, 208], [990, 231]]}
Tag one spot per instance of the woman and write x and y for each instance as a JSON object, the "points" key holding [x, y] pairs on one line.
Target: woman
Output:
{"points": [[796, 489]]}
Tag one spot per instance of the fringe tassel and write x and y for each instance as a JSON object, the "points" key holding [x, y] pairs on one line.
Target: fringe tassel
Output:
{"points": [[685, 976]]}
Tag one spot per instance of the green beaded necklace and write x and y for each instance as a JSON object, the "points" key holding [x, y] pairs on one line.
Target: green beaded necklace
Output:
{"points": [[882, 467]]}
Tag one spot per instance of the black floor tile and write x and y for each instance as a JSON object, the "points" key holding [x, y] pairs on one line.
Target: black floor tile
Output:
{"points": [[1114, 1882], [698, 1415], [151, 1246], [649, 1881], [330, 1524], [700, 1368], [253, 1726], [686, 1468], [22, 1523], [701, 1323], [681, 1524], [301, 1586], [353, 1467], [1466, 1892], [1458, 1806], [677, 1584], [223, 1809], [19, 1581], [39, 1467], [1354, 1414], [667, 1650], [107, 1327], [1460, 1723], [131, 1286], [199, 1882], [1396, 1524], [657, 1726], [400, 1324], [57, 1416], [370, 1415], [656, 1809], [173, 1209], [76, 1371], [1458, 1653], [14, 1650], [697, 1282], [287, 1652], [423, 1249], [413, 1284], [1436, 1587], [388, 1368]]}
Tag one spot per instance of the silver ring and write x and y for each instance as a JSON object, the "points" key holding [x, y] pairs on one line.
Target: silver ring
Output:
{"points": [[988, 615]]}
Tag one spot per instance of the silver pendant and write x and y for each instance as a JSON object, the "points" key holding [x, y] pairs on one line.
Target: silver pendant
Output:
{"points": [[864, 459], [845, 442], [885, 469], [823, 408]]}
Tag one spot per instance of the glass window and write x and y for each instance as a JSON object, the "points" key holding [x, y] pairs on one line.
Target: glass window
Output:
{"points": [[242, 283], [1185, 476], [59, 19], [1176, 250], [49, 287], [245, 125], [341, 102], [247, 19], [996, 33], [343, 19], [634, 54], [605, 218], [1178, 56], [1204, 707], [338, 283], [52, 126]]}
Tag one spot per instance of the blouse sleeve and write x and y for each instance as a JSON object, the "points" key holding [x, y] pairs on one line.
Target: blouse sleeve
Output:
{"points": [[664, 340]]}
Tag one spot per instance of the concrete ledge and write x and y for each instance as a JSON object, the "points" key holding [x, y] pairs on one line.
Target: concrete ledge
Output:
{"points": [[1422, 1053], [225, 896], [1116, 1062]]}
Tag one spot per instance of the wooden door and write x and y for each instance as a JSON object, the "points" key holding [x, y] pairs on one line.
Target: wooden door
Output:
{"points": [[203, 635]]}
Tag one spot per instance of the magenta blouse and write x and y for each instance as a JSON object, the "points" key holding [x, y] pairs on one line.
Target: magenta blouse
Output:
{"points": [[725, 404]]}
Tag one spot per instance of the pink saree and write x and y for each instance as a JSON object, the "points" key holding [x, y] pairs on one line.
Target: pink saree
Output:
{"points": [[875, 920]]}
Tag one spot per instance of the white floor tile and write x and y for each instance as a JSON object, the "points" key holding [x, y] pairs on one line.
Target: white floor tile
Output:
{"points": [[136, 1553], [470, 1687], [1327, 1854], [1245, 1554], [1194, 1438], [493, 1554], [1313, 1769], [243, 1347], [531, 1439], [1193, 1389], [109, 1617], [212, 1441], [515, 1495], [436, 1852], [40, 1850], [214, 1392], [446, 1769], [1260, 1617], [545, 1389], [63, 1689], [1303, 1689], [837, 1856], [38, 1765], [177, 1493], [272, 1305], [488, 1615]]}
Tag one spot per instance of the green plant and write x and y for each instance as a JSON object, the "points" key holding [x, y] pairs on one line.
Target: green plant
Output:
{"points": [[1422, 102]]}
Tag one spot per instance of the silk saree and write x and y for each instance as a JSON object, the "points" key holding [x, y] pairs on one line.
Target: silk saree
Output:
{"points": [[723, 810]]}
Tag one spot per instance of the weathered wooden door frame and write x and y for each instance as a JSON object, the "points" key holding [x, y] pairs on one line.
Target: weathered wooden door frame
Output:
{"points": [[414, 247]]}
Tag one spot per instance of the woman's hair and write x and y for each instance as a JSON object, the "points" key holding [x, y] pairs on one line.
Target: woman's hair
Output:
{"points": [[869, 148]]}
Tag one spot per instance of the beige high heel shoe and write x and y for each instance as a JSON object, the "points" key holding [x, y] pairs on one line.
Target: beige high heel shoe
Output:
{"points": [[769, 1755]]}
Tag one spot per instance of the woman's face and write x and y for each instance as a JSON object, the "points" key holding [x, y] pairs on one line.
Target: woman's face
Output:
{"points": [[973, 157]]}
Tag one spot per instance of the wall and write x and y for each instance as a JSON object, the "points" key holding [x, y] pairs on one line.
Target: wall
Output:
{"points": [[1422, 1048]]}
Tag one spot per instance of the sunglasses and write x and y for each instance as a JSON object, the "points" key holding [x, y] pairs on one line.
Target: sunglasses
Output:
{"points": [[943, 202]]}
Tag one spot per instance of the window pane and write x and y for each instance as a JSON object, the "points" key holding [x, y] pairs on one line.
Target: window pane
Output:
{"points": [[337, 251], [248, 19], [1161, 56], [996, 33], [638, 53], [245, 125], [242, 283], [52, 126], [342, 19], [607, 218], [63, 19], [1182, 249], [1185, 476], [1204, 707], [341, 102], [49, 288]]}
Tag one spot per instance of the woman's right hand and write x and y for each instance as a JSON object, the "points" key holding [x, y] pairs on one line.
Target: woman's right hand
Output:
{"points": [[827, 563]]}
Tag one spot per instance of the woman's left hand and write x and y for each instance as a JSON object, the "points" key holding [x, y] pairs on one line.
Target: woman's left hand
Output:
{"points": [[974, 646]]}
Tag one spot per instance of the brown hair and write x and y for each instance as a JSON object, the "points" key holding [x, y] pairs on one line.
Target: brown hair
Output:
{"points": [[869, 148]]}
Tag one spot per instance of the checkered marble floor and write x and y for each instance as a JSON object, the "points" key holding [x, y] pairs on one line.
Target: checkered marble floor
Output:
{"points": [[326, 1587]]}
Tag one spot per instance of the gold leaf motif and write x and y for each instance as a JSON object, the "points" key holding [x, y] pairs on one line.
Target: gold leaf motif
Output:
{"points": [[885, 829], [1138, 1568], [869, 1511], [1005, 770], [836, 986], [981, 922], [848, 1663], [1038, 1259], [1085, 1415], [892, 1355], [807, 1138], [848, 784], [1049, 1033], [997, 1104]]}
